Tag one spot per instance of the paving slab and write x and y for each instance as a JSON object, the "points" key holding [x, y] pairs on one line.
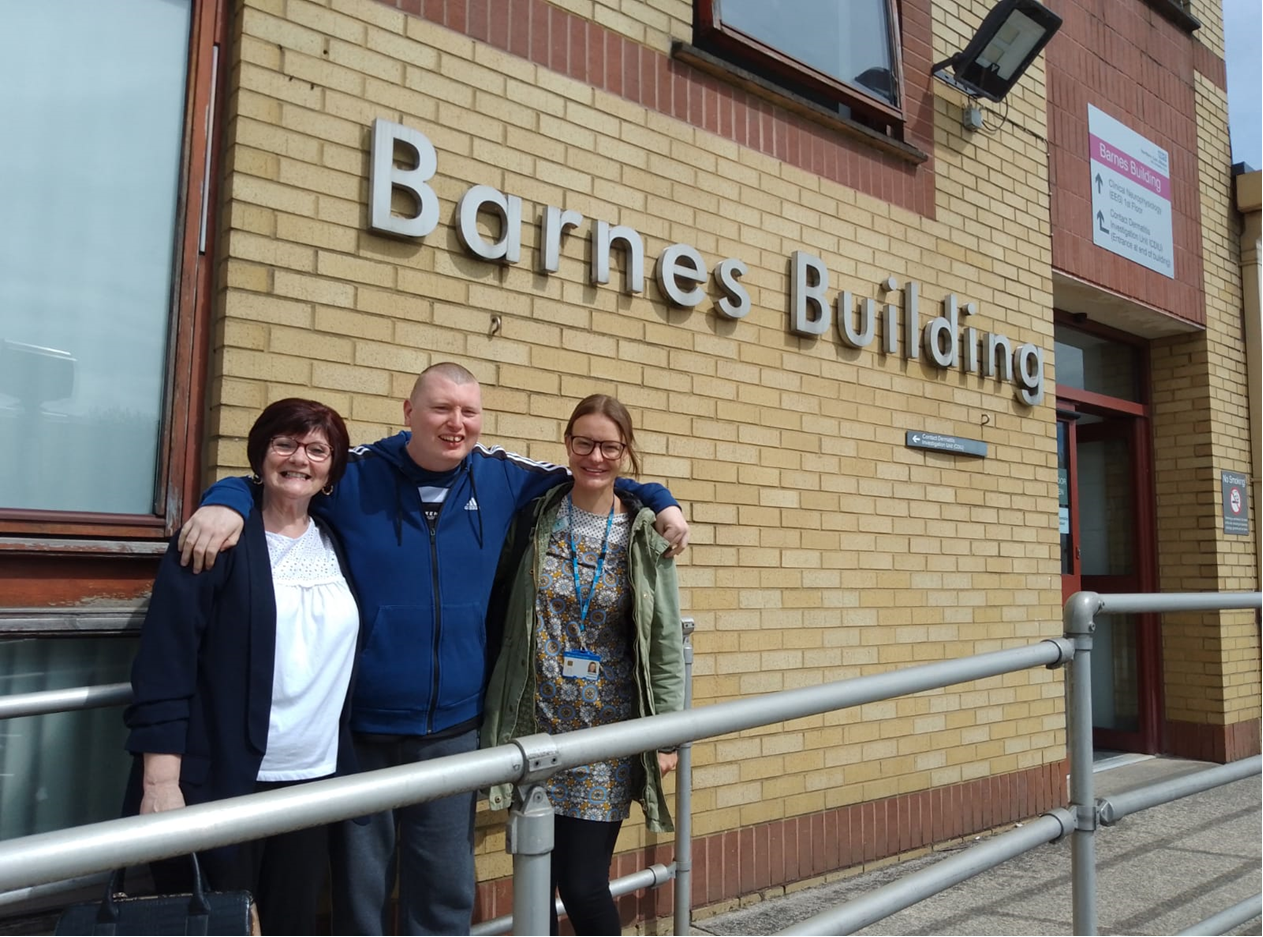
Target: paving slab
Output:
{"points": [[1159, 871]]}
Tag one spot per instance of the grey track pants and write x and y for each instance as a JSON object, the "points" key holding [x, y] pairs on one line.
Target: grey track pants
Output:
{"points": [[430, 845]]}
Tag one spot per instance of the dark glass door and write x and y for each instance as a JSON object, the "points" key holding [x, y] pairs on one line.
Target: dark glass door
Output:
{"points": [[1103, 526], [1105, 517]]}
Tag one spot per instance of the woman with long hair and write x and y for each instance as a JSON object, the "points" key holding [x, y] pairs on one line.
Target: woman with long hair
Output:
{"points": [[591, 636]]}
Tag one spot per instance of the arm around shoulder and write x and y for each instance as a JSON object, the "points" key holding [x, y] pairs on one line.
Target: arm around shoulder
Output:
{"points": [[669, 520], [217, 524]]}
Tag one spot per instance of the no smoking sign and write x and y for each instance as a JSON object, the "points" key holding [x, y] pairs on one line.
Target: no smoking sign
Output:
{"points": [[1236, 514]]}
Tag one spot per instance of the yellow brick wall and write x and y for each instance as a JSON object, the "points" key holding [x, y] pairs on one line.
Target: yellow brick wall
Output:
{"points": [[822, 547], [1210, 14], [653, 23], [1202, 428]]}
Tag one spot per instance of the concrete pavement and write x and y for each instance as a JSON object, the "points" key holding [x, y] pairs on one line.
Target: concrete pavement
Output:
{"points": [[1159, 871]]}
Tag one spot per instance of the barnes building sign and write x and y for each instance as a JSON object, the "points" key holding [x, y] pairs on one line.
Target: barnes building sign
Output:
{"points": [[943, 338]]}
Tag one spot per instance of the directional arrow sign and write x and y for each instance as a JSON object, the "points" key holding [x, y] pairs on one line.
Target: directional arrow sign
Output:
{"points": [[957, 445], [1130, 181]]}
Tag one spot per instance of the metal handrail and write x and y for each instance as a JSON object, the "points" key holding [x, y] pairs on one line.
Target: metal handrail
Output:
{"points": [[46, 702], [1079, 620], [1139, 603], [925, 883], [47, 857], [654, 876], [1228, 918], [1124, 803]]}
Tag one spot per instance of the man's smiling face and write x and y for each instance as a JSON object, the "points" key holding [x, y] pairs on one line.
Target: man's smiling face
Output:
{"points": [[446, 421]]}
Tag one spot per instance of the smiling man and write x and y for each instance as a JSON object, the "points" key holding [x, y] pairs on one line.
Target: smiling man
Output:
{"points": [[423, 515]]}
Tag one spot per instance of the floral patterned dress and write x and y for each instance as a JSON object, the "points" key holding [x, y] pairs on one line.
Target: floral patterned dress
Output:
{"points": [[601, 791]]}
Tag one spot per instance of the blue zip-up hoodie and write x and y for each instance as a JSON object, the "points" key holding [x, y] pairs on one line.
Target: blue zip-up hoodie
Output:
{"points": [[423, 594]]}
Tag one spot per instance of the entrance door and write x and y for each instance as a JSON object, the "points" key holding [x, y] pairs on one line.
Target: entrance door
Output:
{"points": [[1106, 523]]}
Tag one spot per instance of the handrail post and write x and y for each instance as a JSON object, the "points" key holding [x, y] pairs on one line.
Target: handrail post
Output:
{"points": [[529, 839], [1079, 620], [684, 802], [529, 836]]}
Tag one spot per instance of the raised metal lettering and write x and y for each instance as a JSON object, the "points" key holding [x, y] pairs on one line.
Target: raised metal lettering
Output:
{"points": [[384, 177]]}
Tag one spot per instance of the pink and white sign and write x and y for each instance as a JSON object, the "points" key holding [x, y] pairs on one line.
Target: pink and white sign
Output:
{"points": [[1131, 194]]}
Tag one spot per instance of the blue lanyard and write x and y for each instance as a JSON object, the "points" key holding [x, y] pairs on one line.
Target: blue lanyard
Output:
{"points": [[584, 604]]}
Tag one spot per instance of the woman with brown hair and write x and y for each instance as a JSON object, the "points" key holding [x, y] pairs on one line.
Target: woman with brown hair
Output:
{"points": [[591, 636], [243, 675]]}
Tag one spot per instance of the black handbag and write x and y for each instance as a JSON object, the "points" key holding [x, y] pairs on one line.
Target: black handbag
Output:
{"points": [[228, 913]]}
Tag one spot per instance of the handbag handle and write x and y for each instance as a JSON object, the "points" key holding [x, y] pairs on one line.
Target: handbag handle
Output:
{"points": [[196, 922]]}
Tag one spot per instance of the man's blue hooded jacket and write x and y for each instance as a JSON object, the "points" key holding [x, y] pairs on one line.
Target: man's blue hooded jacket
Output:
{"points": [[423, 593]]}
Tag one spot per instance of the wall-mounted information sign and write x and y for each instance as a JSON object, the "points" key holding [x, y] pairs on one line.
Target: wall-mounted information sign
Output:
{"points": [[1131, 194], [939, 443]]}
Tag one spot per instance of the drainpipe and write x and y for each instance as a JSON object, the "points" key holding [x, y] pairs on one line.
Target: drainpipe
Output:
{"points": [[1249, 186]]}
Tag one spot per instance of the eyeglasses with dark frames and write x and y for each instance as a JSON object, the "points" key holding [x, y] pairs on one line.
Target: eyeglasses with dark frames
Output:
{"points": [[287, 446], [610, 448]]}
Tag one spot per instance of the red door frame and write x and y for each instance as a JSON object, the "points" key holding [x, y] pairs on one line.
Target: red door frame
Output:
{"points": [[1072, 401]]}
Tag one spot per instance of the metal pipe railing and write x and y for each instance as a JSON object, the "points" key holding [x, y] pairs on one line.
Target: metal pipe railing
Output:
{"points": [[614, 741], [1079, 617], [97, 847], [1079, 625], [49, 857], [46, 702], [1228, 918], [683, 905], [1139, 603], [34, 894], [52, 857], [925, 883], [1124, 803], [655, 876]]}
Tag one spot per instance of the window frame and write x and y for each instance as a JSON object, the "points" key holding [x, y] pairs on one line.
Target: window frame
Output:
{"points": [[26, 530], [745, 50]]}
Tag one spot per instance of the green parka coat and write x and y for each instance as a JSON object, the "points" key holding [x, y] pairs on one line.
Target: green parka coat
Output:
{"points": [[659, 644]]}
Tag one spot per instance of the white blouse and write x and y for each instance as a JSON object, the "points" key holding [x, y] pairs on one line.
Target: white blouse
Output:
{"points": [[317, 623]]}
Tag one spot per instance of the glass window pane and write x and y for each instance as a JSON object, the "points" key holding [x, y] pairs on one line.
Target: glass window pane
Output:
{"points": [[1063, 498], [63, 769], [1115, 674], [88, 181], [848, 41], [1096, 364], [1106, 506]]}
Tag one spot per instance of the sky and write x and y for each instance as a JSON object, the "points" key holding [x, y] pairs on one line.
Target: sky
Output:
{"points": [[1243, 36]]}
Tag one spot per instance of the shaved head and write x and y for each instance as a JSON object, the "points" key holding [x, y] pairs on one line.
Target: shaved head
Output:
{"points": [[449, 370]]}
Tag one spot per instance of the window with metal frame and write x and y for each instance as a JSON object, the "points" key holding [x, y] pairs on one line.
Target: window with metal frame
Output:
{"points": [[842, 55]]}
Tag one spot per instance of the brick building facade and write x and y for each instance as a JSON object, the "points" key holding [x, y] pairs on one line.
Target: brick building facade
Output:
{"points": [[824, 544]]}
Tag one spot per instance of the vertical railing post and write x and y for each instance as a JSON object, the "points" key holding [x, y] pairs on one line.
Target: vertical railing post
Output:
{"points": [[529, 838], [684, 802], [530, 835], [1078, 618]]}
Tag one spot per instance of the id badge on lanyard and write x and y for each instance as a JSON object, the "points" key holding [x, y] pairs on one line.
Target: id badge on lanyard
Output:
{"points": [[581, 665]]}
